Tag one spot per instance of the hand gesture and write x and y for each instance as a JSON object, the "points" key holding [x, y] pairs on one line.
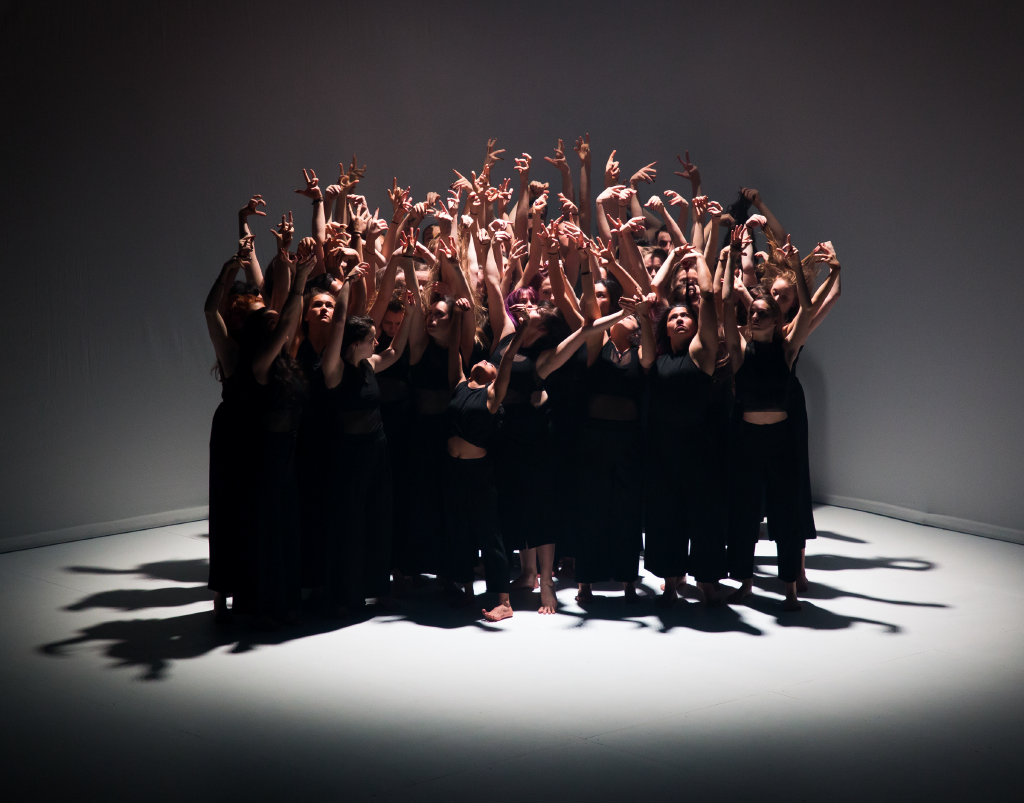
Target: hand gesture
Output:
{"points": [[306, 264], [700, 206], [284, 232], [655, 203], [461, 183], [519, 249], [397, 195], [559, 160], [462, 306], [751, 195], [408, 299], [628, 305], [250, 208], [611, 171], [447, 248], [432, 198], [690, 170], [541, 203], [406, 243], [522, 165], [582, 148], [306, 246], [354, 172], [357, 273], [788, 253], [736, 237], [492, 154], [245, 246], [312, 185], [715, 209], [568, 207], [647, 174], [635, 225], [625, 195], [675, 199], [375, 226], [755, 221], [824, 252]]}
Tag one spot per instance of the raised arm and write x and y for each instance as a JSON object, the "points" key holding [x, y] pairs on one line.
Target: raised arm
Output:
{"points": [[553, 359], [253, 273], [582, 149], [522, 166], [797, 335], [455, 374], [655, 203], [646, 174], [290, 315], [754, 197], [825, 297], [733, 339], [332, 364], [641, 307], [704, 347], [319, 233], [560, 162], [499, 387], [690, 173], [675, 199], [223, 346], [386, 358]]}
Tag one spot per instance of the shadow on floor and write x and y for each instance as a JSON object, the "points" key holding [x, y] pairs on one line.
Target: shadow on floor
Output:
{"points": [[177, 571], [839, 563], [821, 591], [837, 537]]}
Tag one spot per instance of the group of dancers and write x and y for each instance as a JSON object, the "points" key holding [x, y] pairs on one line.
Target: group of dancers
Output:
{"points": [[429, 393]]}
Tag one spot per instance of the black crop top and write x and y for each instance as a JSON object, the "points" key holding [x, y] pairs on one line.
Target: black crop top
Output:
{"points": [[679, 392], [393, 381], [609, 376], [523, 381], [468, 414], [353, 407], [762, 382]]}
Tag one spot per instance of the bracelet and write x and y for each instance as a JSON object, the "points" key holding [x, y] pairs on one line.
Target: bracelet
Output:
{"points": [[223, 284], [319, 200], [585, 272]]}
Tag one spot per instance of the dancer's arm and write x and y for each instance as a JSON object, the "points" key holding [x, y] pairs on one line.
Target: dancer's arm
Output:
{"points": [[553, 359], [290, 315], [386, 358], [499, 387], [332, 364], [223, 345]]}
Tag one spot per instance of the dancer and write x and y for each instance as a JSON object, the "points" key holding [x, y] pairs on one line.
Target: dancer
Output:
{"points": [[762, 360]]}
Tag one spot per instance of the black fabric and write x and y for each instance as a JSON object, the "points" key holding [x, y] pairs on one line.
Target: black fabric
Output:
{"points": [[764, 465], [357, 552], [396, 416], [267, 582], [797, 411], [566, 418], [609, 546], [230, 511], [421, 545], [763, 380], [611, 375], [311, 452], [679, 393], [394, 380], [471, 523], [431, 372], [353, 406], [523, 380], [523, 466], [469, 417]]}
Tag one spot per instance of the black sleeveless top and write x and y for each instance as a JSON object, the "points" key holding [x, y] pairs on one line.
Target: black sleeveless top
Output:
{"points": [[468, 414], [762, 382], [394, 380], [608, 377], [431, 372], [274, 407], [679, 392], [523, 381], [353, 407]]}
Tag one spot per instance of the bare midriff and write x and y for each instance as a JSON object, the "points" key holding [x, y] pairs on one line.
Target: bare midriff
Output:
{"points": [[464, 450], [765, 417]]}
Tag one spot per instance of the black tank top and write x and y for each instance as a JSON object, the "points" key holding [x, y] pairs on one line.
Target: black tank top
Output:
{"points": [[762, 382], [523, 381], [393, 381], [353, 407], [679, 392], [431, 372], [469, 416], [620, 377]]}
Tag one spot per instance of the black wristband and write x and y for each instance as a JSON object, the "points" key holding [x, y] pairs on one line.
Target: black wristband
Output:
{"points": [[319, 200], [585, 272]]}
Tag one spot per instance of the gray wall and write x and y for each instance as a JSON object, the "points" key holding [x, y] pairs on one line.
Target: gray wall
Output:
{"points": [[134, 132]]}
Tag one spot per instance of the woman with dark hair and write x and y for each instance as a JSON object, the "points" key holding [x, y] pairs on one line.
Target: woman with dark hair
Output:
{"points": [[684, 456], [230, 433], [357, 554], [765, 446], [273, 388]]}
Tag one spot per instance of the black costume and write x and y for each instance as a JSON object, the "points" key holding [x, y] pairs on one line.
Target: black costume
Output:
{"points": [[765, 462], [470, 496], [609, 547], [567, 403], [357, 554], [685, 476], [396, 414], [311, 462], [522, 455]]}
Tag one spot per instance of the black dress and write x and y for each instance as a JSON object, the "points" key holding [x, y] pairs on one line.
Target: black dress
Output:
{"points": [[396, 414], [357, 553], [765, 465], [567, 405], [470, 496], [268, 579], [609, 548], [231, 439], [311, 456], [420, 547], [685, 500], [522, 456]]}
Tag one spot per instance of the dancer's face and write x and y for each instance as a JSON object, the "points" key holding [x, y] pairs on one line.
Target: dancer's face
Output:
{"points": [[603, 299], [784, 294], [761, 317], [321, 309], [483, 373], [680, 325], [392, 322], [363, 349], [439, 319]]}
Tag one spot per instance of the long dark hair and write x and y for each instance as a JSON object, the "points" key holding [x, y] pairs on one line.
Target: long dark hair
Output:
{"points": [[357, 327], [287, 382], [661, 336]]}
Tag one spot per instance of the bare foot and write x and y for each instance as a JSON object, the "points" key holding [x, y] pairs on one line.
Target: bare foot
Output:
{"points": [[630, 596], [710, 593], [668, 596], [529, 580], [548, 602], [741, 593], [802, 585], [791, 604], [496, 614], [585, 594]]}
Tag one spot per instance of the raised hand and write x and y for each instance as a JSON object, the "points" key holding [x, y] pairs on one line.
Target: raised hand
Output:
{"points": [[611, 171], [447, 247], [537, 188], [715, 209], [541, 203], [406, 243], [824, 252], [522, 165], [519, 249], [648, 174], [358, 272], [568, 207], [655, 203], [306, 246], [625, 195], [756, 220], [736, 237], [788, 252], [432, 198], [332, 191], [397, 195], [751, 195], [582, 148], [312, 185], [354, 170], [700, 206], [245, 246], [461, 183], [635, 225], [690, 170], [559, 160], [376, 226], [251, 207], [675, 199], [284, 232], [462, 306], [492, 154]]}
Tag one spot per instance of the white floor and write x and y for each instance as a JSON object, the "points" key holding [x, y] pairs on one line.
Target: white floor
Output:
{"points": [[902, 679]]}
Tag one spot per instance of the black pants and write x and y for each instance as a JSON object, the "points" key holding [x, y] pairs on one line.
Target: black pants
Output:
{"points": [[420, 543], [609, 547], [765, 463], [685, 504], [267, 581], [797, 410], [397, 419], [471, 523], [522, 463], [357, 554], [231, 519]]}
